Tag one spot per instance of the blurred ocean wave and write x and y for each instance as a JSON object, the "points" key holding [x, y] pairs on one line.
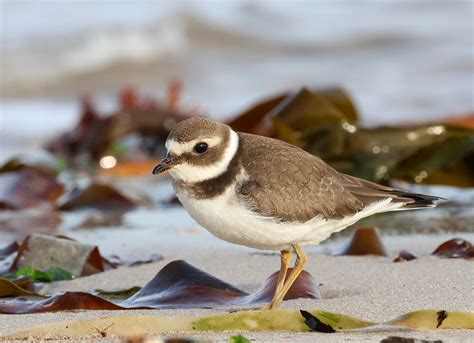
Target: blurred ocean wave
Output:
{"points": [[401, 61]]}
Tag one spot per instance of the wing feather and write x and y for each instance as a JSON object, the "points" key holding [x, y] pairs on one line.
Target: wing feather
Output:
{"points": [[288, 183]]}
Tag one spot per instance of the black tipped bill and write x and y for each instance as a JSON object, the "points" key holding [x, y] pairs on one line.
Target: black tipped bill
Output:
{"points": [[164, 165]]}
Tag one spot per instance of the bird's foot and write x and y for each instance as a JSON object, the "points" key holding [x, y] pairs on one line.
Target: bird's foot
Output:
{"points": [[269, 306]]}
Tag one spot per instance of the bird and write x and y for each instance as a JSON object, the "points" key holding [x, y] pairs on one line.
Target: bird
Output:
{"points": [[267, 194]]}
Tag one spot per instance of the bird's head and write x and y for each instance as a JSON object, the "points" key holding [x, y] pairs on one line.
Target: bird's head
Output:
{"points": [[198, 149]]}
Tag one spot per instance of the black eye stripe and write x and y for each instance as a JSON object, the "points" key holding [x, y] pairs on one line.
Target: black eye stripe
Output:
{"points": [[200, 148]]}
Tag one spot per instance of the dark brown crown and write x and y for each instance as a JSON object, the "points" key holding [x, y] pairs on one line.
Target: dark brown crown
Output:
{"points": [[197, 127]]}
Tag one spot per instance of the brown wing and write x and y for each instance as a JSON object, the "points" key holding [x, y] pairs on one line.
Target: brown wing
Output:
{"points": [[288, 183], [291, 184]]}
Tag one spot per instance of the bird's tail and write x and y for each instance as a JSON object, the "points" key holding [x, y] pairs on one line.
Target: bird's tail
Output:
{"points": [[416, 200], [369, 192]]}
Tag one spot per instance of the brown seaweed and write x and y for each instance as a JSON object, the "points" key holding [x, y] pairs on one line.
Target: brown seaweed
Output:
{"points": [[177, 285], [325, 123], [99, 196], [8, 250], [118, 261], [19, 287], [433, 154], [95, 133], [399, 339], [42, 252], [310, 113], [258, 118], [404, 256], [364, 241], [28, 186], [24, 222], [255, 119], [455, 248]]}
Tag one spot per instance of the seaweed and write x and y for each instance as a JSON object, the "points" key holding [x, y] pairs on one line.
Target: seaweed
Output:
{"points": [[177, 285]]}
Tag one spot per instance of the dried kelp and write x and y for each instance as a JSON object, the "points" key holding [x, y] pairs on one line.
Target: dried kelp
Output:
{"points": [[177, 285]]}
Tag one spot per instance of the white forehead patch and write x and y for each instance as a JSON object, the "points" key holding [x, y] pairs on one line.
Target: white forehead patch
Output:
{"points": [[178, 148], [192, 173]]}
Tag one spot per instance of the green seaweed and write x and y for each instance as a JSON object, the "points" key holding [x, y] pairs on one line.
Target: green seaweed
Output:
{"points": [[50, 275], [238, 339], [269, 320], [253, 321], [292, 320]]}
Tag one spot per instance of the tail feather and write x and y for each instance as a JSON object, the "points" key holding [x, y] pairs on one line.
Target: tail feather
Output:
{"points": [[415, 200], [369, 192]]}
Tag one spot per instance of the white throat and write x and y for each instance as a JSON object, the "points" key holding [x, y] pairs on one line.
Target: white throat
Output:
{"points": [[189, 173]]}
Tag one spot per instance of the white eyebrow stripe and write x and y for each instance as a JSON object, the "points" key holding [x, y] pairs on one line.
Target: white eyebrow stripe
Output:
{"points": [[190, 173], [179, 148]]}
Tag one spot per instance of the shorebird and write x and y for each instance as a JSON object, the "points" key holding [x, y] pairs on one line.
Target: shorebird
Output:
{"points": [[267, 194]]}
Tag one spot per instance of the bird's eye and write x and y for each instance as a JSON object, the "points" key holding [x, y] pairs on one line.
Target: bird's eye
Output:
{"points": [[200, 148]]}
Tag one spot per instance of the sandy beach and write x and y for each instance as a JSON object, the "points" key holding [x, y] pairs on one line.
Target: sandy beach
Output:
{"points": [[368, 287]]}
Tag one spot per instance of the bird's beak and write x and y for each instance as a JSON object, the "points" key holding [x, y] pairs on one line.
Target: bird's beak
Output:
{"points": [[167, 163]]}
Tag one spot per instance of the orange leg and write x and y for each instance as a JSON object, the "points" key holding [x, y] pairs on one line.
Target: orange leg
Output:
{"points": [[301, 261], [285, 262], [285, 256]]}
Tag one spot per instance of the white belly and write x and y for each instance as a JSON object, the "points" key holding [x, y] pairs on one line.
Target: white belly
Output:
{"points": [[231, 221]]}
